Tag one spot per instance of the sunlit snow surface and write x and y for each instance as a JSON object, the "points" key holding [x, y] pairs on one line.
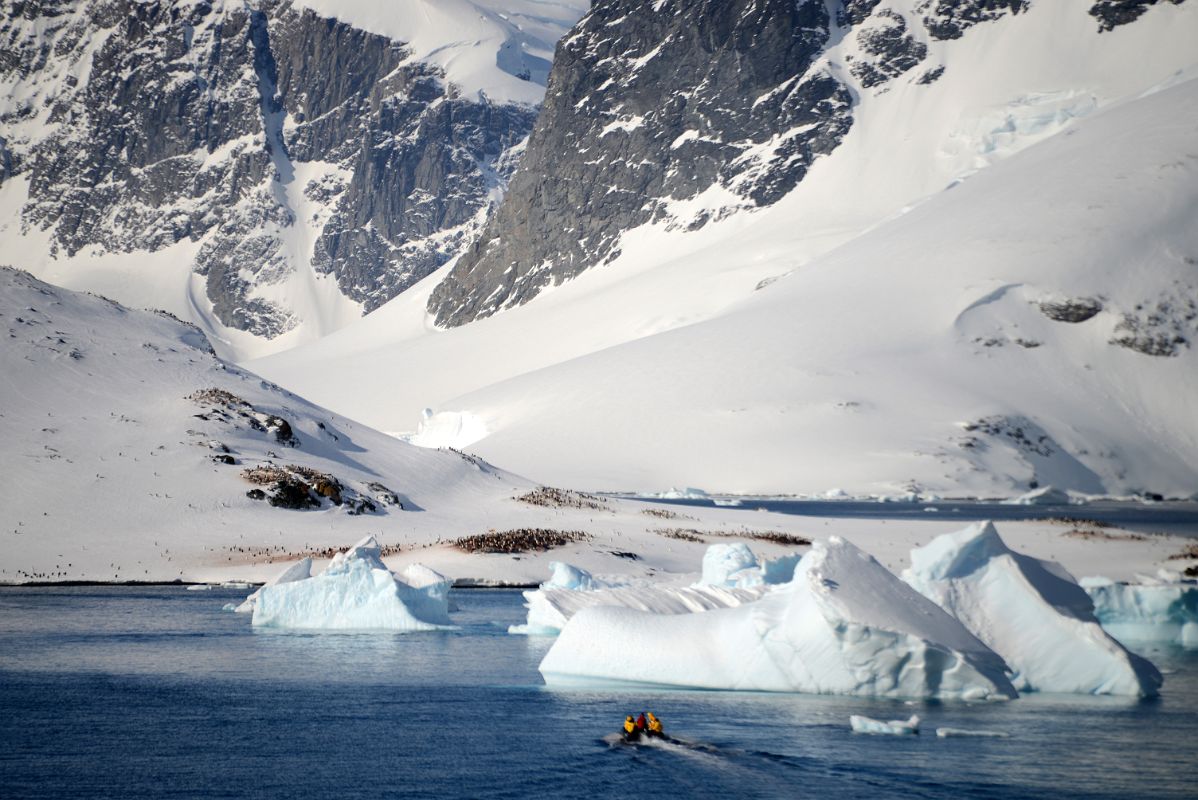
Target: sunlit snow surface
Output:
{"points": [[1031, 612], [1048, 162], [843, 625]]}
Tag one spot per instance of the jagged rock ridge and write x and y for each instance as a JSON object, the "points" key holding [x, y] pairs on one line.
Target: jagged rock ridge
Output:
{"points": [[142, 125], [682, 111]]}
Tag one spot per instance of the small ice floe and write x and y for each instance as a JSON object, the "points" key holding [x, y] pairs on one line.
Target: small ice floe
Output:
{"points": [[199, 587], [894, 727], [945, 733]]}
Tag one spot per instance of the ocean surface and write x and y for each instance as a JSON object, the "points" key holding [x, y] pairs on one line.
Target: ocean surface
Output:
{"points": [[1179, 517], [129, 692]]}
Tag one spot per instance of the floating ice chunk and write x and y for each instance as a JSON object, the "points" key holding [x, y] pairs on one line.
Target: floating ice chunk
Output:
{"points": [[685, 493], [732, 565], [1163, 608], [356, 591], [945, 733], [199, 587], [1044, 496], [1031, 612], [568, 576], [300, 570], [894, 727], [843, 625]]}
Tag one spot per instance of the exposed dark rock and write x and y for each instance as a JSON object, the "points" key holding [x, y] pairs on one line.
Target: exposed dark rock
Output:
{"points": [[1113, 13], [1076, 310], [1161, 328], [384, 495], [892, 49], [647, 104], [949, 19], [931, 76], [190, 119]]}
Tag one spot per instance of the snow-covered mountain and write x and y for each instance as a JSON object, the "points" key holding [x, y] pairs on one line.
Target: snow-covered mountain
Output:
{"points": [[269, 170], [983, 281], [131, 452]]}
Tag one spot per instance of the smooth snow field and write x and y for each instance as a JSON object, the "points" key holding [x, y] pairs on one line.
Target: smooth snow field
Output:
{"points": [[155, 691]]}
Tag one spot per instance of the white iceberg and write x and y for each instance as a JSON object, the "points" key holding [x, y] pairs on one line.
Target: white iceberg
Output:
{"points": [[1163, 608], [1044, 496], [894, 727], [571, 589], [299, 571], [1031, 612], [843, 625], [356, 592]]}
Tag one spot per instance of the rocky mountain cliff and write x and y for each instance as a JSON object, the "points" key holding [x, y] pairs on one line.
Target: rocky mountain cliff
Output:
{"points": [[276, 141], [683, 111]]}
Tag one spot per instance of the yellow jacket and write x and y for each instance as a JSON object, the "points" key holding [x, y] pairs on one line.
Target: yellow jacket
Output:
{"points": [[654, 724], [629, 725]]}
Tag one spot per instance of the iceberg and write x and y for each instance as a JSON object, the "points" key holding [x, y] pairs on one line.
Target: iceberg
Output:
{"points": [[357, 592], [894, 727], [571, 589], [1163, 608], [732, 576], [1031, 612], [843, 625], [300, 570], [1044, 496]]}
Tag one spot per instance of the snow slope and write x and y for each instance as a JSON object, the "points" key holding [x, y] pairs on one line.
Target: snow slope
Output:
{"points": [[128, 451], [878, 330]]}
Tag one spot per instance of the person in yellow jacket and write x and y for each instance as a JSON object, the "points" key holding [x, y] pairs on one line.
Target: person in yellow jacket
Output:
{"points": [[655, 726], [631, 734]]}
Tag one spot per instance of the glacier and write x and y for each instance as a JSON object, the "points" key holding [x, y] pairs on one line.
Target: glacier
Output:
{"points": [[1031, 612], [357, 592], [1163, 608], [843, 625]]}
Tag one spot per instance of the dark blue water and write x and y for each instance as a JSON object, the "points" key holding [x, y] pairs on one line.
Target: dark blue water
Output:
{"points": [[128, 692], [1175, 517]]}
